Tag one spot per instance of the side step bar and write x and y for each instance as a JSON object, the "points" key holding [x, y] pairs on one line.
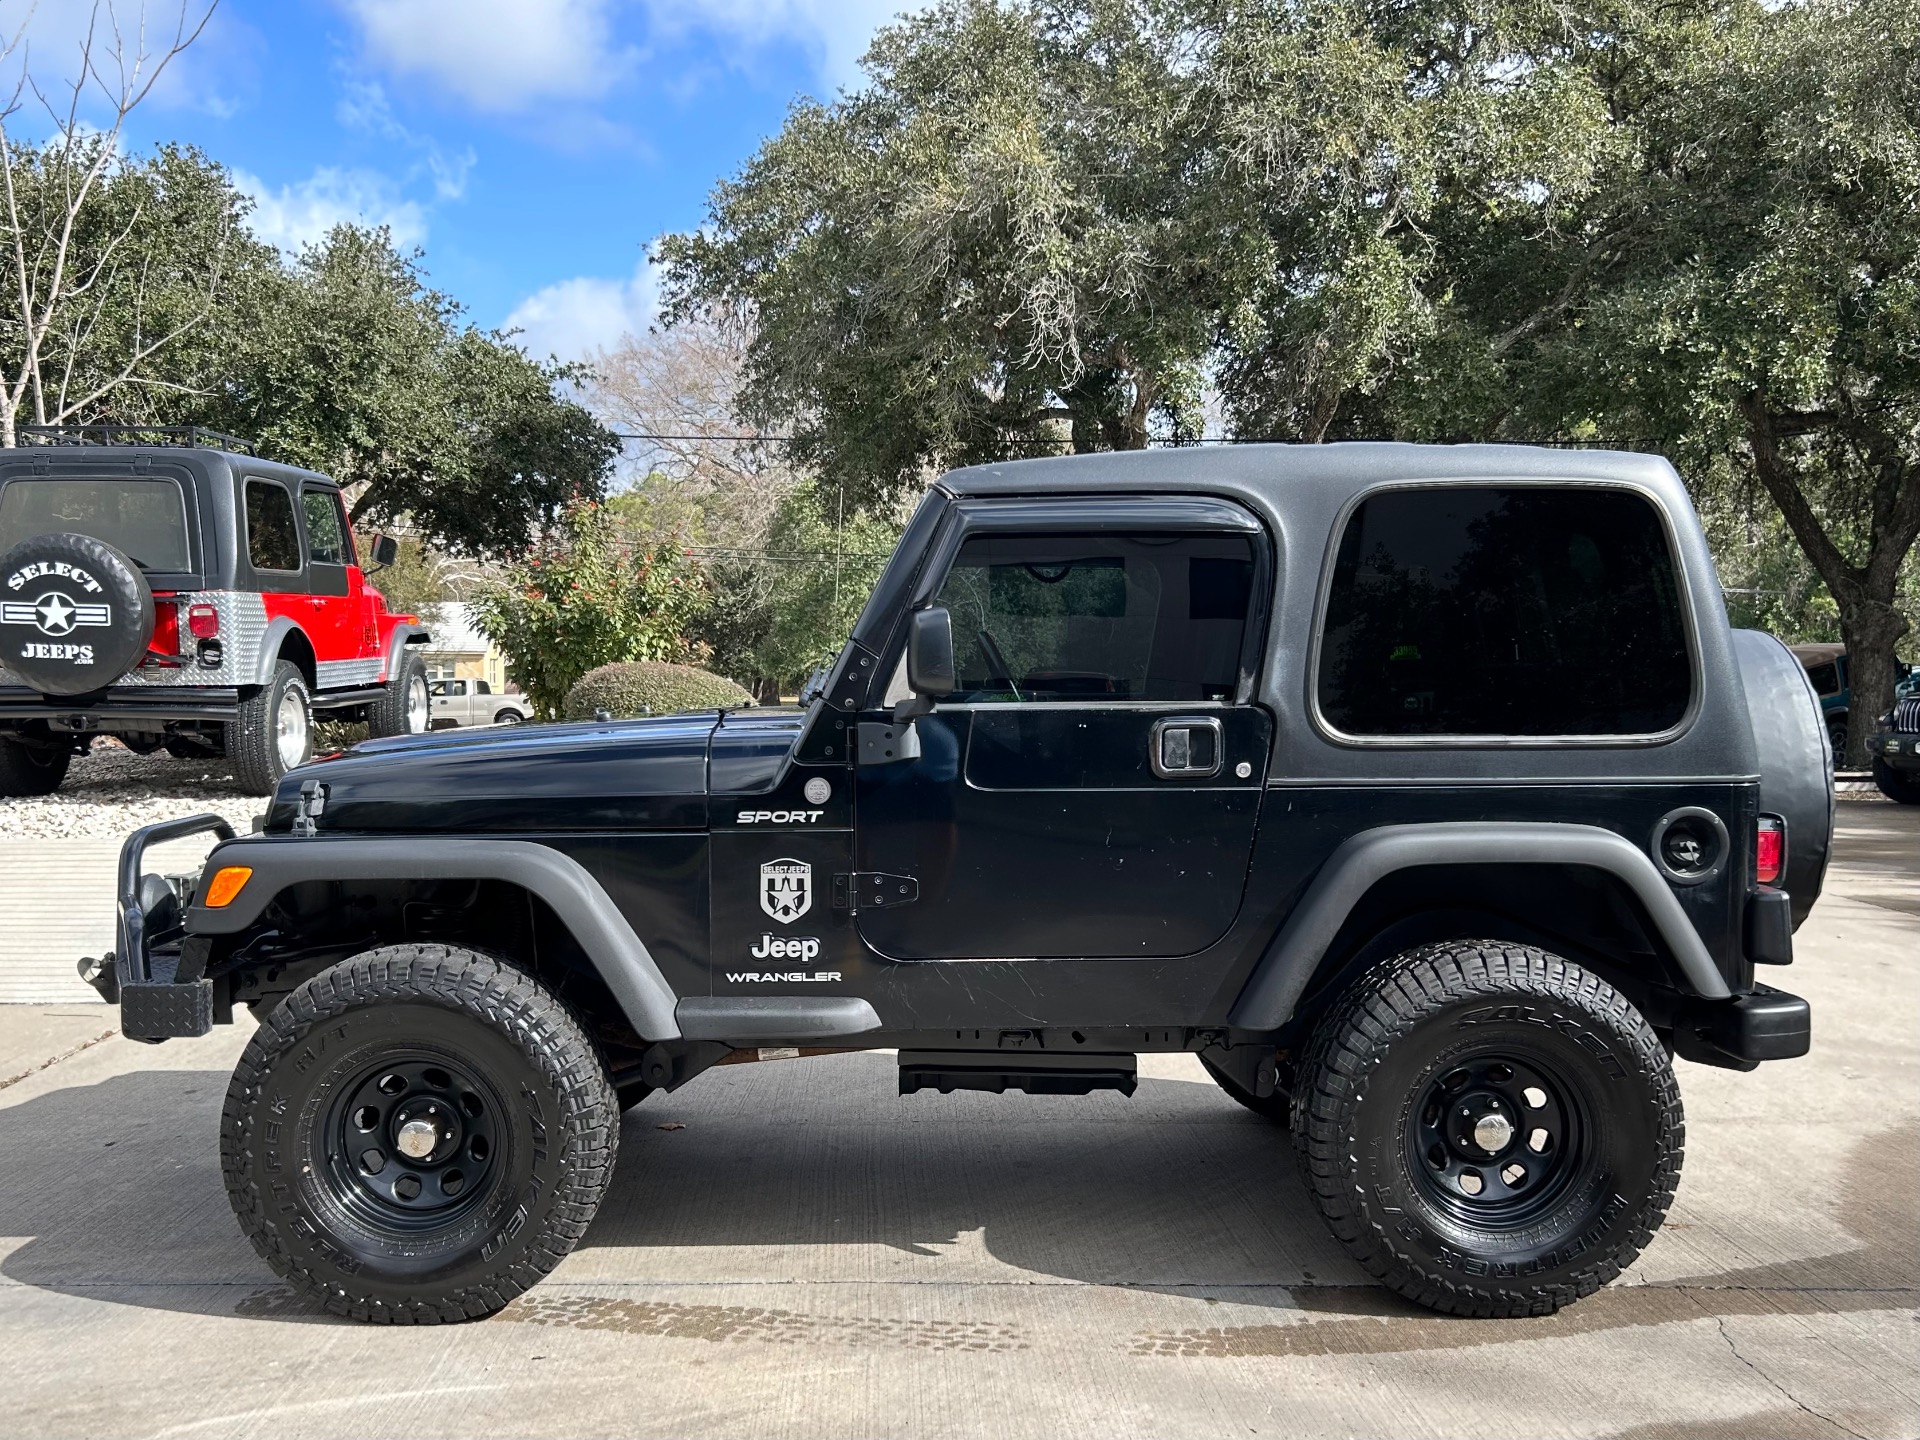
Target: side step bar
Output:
{"points": [[997, 1071]]}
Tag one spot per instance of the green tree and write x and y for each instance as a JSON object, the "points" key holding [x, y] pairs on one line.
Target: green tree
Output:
{"points": [[348, 362], [1735, 284], [578, 599], [981, 254]]}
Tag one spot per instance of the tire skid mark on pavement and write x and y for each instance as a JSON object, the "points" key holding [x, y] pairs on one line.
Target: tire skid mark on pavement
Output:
{"points": [[1624, 1307], [745, 1322]]}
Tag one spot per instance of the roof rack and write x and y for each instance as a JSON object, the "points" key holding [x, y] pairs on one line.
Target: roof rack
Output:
{"points": [[189, 437]]}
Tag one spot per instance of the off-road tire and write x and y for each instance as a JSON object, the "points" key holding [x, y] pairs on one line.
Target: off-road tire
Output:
{"points": [[30, 770], [1277, 1107], [387, 716], [1416, 1022], [557, 1132], [252, 736], [1900, 788]]}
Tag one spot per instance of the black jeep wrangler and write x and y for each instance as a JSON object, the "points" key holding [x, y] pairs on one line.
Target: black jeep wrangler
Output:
{"points": [[1423, 794]]}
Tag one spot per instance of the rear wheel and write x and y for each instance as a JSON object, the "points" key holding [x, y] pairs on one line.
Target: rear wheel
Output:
{"points": [[273, 731], [1895, 785], [1489, 1129], [32, 769], [509, 717], [446, 1149], [404, 707]]}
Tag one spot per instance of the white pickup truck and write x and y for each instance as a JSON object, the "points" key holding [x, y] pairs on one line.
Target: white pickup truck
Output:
{"points": [[475, 702]]}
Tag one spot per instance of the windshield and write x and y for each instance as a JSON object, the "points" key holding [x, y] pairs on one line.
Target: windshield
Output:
{"points": [[146, 519]]}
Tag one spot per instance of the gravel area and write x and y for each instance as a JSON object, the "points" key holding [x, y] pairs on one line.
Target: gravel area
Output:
{"points": [[110, 790]]}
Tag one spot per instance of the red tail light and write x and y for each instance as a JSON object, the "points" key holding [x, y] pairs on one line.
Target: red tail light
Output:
{"points": [[166, 628], [203, 621], [1769, 849]]}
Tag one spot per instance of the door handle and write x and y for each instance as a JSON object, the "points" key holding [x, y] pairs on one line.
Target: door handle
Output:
{"points": [[1186, 747]]}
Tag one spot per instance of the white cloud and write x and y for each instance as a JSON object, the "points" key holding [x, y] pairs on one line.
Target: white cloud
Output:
{"points": [[574, 318], [209, 75], [497, 55], [302, 213], [835, 32], [364, 107]]}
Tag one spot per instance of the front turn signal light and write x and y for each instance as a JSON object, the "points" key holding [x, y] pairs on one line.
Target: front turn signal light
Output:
{"points": [[1769, 849], [227, 883]]}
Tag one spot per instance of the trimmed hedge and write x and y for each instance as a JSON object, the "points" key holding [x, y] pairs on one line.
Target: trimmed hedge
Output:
{"points": [[641, 687]]}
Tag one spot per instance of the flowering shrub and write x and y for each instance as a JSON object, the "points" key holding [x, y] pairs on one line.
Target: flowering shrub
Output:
{"points": [[579, 600]]}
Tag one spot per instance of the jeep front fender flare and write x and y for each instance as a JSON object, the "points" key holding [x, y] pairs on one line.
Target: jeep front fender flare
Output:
{"points": [[1275, 987], [403, 635], [576, 897]]}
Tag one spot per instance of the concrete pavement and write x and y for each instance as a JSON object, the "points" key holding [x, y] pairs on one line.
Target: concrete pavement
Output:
{"points": [[813, 1255]]}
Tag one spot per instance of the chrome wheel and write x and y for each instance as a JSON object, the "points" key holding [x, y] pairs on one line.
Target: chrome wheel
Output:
{"points": [[419, 705], [292, 729]]}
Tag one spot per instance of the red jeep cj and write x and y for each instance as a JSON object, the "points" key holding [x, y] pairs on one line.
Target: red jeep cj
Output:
{"points": [[181, 592]]}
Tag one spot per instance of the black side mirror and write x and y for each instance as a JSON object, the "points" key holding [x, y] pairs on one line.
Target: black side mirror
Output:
{"points": [[386, 550], [929, 662]]}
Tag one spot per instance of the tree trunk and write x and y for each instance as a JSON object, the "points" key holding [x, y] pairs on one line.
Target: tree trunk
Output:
{"points": [[1871, 633], [1869, 622]]}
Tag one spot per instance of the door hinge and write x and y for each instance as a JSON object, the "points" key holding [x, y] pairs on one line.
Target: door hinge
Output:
{"points": [[873, 890], [887, 744]]}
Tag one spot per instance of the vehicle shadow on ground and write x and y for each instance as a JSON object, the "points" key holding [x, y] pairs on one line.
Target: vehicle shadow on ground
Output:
{"points": [[115, 1188]]}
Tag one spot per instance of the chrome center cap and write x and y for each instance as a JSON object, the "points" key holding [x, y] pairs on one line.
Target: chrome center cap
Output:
{"points": [[418, 1139], [1492, 1132]]}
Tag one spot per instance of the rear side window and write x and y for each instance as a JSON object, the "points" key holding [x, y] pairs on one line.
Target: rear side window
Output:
{"points": [[1099, 618], [326, 535], [146, 520], [272, 541], [1504, 610]]}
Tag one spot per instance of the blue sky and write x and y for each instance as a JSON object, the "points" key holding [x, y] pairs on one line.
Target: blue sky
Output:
{"points": [[531, 148]]}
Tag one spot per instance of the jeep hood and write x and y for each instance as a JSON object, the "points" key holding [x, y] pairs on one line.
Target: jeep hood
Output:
{"points": [[646, 774]]}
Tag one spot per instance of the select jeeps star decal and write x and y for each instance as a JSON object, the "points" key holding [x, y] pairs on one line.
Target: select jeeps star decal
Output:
{"points": [[54, 614], [786, 889]]}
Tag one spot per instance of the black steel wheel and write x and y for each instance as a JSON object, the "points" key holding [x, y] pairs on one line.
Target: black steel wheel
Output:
{"points": [[418, 1134], [413, 1141], [1489, 1129]]}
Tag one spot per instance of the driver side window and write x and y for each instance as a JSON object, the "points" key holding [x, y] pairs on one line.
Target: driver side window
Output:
{"points": [[1098, 618]]}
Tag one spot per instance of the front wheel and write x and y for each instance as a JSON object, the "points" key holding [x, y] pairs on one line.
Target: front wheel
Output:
{"points": [[1489, 1129], [1896, 785], [418, 1134], [405, 707]]}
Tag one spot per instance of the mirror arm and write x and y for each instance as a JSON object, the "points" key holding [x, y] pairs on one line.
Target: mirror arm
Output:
{"points": [[912, 708]]}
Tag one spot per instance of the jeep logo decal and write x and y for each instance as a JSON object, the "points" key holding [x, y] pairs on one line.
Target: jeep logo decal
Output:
{"points": [[786, 889], [54, 614]]}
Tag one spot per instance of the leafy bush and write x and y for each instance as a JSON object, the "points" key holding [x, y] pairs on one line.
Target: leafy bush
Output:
{"points": [[641, 687], [582, 599]]}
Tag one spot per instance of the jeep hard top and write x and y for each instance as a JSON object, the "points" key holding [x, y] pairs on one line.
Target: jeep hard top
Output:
{"points": [[1423, 794], [171, 589]]}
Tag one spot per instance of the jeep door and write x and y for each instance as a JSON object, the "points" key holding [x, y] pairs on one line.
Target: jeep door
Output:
{"points": [[340, 624], [1093, 785]]}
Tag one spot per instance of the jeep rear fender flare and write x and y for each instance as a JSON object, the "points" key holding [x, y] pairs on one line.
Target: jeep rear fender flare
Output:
{"points": [[1270, 994], [272, 640], [619, 955]]}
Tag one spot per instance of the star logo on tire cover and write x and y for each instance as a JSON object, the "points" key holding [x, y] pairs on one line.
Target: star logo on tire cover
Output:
{"points": [[54, 614]]}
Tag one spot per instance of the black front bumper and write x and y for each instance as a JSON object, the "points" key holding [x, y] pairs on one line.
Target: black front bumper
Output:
{"points": [[1896, 749], [154, 974], [1738, 1033], [142, 704]]}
